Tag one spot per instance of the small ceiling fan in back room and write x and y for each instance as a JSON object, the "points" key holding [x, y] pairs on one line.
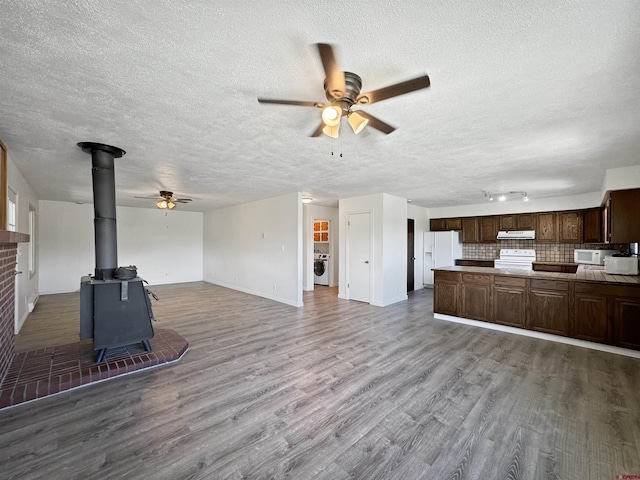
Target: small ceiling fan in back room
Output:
{"points": [[342, 89], [166, 200]]}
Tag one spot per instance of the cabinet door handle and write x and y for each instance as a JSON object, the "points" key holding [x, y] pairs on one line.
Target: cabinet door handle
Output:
{"points": [[17, 273], [366, 261]]}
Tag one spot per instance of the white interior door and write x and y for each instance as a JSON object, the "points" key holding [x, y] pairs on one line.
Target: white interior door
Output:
{"points": [[359, 257]]}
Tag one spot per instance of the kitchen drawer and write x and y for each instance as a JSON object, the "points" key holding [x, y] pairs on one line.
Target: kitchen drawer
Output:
{"points": [[476, 278], [447, 276], [510, 282], [557, 285]]}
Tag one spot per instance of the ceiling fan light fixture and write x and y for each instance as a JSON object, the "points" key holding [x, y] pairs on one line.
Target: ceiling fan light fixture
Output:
{"points": [[170, 205], [357, 122], [331, 131], [331, 115], [161, 204]]}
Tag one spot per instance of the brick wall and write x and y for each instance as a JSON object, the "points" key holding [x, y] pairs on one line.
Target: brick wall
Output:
{"points": [[7, 305]]}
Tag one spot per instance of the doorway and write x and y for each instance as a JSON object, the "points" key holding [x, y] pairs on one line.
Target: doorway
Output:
{"points": [[411, 255], [359, 257]]}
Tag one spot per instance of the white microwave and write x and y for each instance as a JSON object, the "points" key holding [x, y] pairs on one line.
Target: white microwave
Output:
{"points": [[621, 265], [592, 257]]}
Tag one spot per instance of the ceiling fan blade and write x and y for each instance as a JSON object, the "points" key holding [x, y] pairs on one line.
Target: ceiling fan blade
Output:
{"points": [[377, 123], [335, 84], [291, 102], [155, 197], [181, 200], [394, 90], [318, 131]]}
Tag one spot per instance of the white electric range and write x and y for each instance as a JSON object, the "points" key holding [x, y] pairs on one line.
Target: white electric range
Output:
{"points": [[520, 259]]}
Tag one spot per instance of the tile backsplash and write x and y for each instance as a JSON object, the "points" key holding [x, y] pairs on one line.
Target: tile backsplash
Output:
{"points": [[545, 252]]}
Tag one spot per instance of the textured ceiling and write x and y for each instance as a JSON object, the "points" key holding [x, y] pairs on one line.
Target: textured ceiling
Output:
{"points": [[539, 96]]}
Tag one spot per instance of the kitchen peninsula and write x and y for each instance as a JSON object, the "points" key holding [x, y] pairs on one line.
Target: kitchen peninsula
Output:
{"points": [[587, 305]]}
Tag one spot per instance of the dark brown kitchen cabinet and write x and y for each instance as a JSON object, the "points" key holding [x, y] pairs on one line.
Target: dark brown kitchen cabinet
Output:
{"points": [[509, 301], [592, 225], [488, 229], [476, 296], [590, 317], [626, 322], [527, 221], [546, 227], [438, 224], [623, 216], [470, 232], [445, 224], [509, 222], [446, 291], [453, 223], [570, 226], [521, 221], [549, 306]]}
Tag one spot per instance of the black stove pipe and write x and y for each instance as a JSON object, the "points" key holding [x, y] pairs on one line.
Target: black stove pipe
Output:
{"points": [[104, 206]]}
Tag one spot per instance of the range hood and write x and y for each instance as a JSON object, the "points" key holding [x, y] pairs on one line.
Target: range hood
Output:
{"points": [[517, 234]]}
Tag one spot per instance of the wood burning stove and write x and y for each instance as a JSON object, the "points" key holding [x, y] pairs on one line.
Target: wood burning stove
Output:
{"points": [[115, 309]]}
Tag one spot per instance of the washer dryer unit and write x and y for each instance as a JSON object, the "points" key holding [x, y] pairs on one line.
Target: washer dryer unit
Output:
{"points": [[321, 269]]}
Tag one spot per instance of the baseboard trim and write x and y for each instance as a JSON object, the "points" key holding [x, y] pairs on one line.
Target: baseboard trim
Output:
{"points": [[543, 336]]}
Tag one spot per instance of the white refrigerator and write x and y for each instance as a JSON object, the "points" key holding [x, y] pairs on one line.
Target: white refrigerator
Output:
{"points": [[441, 249]]}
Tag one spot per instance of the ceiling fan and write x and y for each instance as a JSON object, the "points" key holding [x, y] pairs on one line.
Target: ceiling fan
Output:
{"points": [[167, 200], [342, 89]]}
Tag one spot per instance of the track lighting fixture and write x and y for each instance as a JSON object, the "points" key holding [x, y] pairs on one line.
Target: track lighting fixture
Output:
{"points": [[504, 196]]}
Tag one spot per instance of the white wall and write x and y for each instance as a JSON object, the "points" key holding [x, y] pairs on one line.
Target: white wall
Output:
{"points": [[620, 179], [389, 248], [373, 205], [573, 202], [312, 213], [394, 247], [165, 246], [257, 248], [421, 217], [26, 284]]}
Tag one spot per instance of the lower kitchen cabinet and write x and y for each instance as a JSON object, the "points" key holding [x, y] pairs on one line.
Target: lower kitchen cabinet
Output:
{"points": [[476, 296], [445, 293], [590, 318], [626, 323], [599, 312], [509, 301], [549, 306]]}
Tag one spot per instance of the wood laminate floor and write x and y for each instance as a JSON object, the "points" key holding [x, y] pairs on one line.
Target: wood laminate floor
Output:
{"points": [[334, 390]]}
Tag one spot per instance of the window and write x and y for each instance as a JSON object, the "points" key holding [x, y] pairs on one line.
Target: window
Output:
{"points": [[32, 240], [11, 210]]}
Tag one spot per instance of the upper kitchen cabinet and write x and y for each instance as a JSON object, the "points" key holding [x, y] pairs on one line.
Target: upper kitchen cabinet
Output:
{"points": [[546, 227], [437, 224], [570, 226], [522, 221], [445, 224], [592, 225], [527, 221], [470, 231], [623, 216], [479, 229], [488, 229], [509, 222]]}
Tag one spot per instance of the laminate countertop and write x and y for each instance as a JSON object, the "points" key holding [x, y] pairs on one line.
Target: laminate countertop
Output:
{"points": [[585, 273]]}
